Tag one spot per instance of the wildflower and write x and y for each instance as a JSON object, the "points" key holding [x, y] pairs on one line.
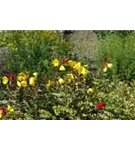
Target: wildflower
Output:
{"points": [[100, 105], [50, 83], [109, 65], [105, 69], [5, 80], [90, 91], [32, 81], [61, 81], [82, 70], [19, 83], [10, 108], [77, 65], [62, 68], [1, 114], [24, 83], [35, 74], [55, 62], [69, 77], [71, 63]]}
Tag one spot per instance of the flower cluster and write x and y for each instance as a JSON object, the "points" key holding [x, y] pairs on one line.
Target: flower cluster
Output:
{"points": [[22, 80]]}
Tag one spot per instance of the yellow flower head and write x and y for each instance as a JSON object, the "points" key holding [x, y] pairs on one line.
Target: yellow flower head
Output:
{"points": [[77, 65], [32, 81], [19, 83], [71, 63], [55, 62], [105, 69], [10, 108], [70, 76], [61, 81], [5, 80], [24, 83], [109, 65], [1, 114], [50, 83], [62, 68], [90, 91], [82, 70], [35, 74]]}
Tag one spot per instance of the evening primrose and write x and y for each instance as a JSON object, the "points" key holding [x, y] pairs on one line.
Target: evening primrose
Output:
{"points": [[55, 62], [1, 114], [61, 81], [105, 69], [10, 108], [62, 68], [109, 65], [24, 84], [50, 83], [32, 81], [90, 91], [5, 80], [35, 74]]}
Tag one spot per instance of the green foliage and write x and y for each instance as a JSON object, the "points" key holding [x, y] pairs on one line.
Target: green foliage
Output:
{"points": [[121, 51], [32, 50], [104, 33]]}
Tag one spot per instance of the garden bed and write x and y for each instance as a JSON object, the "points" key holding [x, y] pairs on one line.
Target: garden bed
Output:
{"points": [[45, 76]]}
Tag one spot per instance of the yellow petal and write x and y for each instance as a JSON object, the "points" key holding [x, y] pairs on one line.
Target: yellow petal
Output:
{"points": [[105, 69], [18, 83], [71, 63], [35, 74], [109, 65], [24, 83], [62, 68]]}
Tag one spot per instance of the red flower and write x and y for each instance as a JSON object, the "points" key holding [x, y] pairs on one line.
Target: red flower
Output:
{"points": [[100, 105]]}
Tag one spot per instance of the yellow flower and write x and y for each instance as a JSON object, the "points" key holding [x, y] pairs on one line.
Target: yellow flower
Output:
{"points": [[71, 63], [20, 78], [19, 83], [35, 74], [105, 69], [77, 65], [10, 108], [32, 81], [109, 65], [69, 77], [82, 70], [5, 80], [55, 62], [1, 114], [24, 83], [62, 68], [90, 91], [61, 81], [50, 83]]}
